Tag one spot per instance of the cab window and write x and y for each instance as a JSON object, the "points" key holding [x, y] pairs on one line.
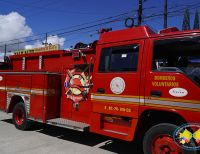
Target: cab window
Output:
{"points": [[119, 59], [178, 55]]}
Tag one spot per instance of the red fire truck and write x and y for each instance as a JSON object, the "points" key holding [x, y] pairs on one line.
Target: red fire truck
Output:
{"points": [[130, 84]]}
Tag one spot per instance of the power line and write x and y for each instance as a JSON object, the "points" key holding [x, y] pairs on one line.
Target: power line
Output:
{"points": [[179, 8], [185, 5], [98, 22], [71, 31], [42, 8], [175, 12], [46, 10], [126, 13], [30, 4], [70, 27]]}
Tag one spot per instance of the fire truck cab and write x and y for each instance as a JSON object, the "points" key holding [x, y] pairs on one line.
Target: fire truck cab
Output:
{"points": [[130, 84]]}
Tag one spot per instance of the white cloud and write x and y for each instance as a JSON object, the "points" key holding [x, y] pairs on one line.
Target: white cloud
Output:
{"points": [[12, 26], [56, 40], [53, 39], [35, 45]]}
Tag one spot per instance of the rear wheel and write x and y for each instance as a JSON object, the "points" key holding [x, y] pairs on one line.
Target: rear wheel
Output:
{"points": [[159, 140], [20, 117]]}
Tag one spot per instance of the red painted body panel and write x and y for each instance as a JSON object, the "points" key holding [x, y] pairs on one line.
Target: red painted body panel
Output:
{"points": [[37, 100], [37, 106], [18, 81], [127, 110], [48, 98], [52, 100], [189, 116]]}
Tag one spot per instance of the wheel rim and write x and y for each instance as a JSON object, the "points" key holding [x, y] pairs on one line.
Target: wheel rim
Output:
{"points": [[164, 144], [19, 116]]}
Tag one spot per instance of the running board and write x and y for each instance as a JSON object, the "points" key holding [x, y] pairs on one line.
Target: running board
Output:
{"points": [[60, 122]]}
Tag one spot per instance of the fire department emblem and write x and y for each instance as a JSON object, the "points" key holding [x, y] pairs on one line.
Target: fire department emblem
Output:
{"points": [[117, 85], [76, 85]]}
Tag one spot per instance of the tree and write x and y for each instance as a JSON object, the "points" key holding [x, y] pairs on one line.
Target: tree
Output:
{"points": [[186, 20], [196, 20]]}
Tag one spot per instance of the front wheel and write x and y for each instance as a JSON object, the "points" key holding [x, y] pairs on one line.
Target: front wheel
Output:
{"points": [[159, 140], [20, 117]]}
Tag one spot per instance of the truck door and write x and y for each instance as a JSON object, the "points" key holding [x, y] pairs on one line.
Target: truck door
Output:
{"points": [[116, 88], [173, 80]]}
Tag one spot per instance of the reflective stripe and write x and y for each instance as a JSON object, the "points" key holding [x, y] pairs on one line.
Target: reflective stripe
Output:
{"points": [[31, 91], [17, 89], [45, 73], [142, 100], [147, 101], [172, 104], [39, 91], [2, 88], [113, 98]]}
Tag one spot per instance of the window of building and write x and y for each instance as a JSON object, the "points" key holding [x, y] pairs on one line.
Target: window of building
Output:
{"points": [[119, 59]]}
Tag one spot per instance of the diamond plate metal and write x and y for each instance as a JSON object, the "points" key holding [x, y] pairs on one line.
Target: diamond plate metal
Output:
{"points": [[69, 124]]}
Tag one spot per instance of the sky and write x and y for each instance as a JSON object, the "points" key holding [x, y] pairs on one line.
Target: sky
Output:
{"points": [[67, 22]]}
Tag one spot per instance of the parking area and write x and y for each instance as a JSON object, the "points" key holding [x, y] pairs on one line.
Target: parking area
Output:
{"points": [[45, 139]]}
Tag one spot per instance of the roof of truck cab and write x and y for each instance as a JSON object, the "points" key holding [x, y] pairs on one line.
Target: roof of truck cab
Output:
{"points": [[126, 34], [141, 32]]}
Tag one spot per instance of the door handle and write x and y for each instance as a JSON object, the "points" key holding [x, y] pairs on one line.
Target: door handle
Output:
{"points": [[100, 90], [156, 93]]}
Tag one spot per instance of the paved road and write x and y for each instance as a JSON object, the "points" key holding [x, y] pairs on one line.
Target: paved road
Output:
{"points": [[45, 139]]}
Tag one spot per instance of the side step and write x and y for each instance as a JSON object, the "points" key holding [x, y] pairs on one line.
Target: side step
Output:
{"points": [[80, 126]]}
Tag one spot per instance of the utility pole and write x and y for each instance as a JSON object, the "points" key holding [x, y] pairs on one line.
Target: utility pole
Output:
{"points": [[165, 14], [45, 43], [140, 8], [18, 45], [5, 50], [46, 40]]}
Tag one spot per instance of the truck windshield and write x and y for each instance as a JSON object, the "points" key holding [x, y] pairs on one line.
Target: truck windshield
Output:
{"points": [[178, 55]]}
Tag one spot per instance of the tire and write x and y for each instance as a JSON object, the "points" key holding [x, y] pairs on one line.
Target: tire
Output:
{"points": [[20, 117], [159, 139]]}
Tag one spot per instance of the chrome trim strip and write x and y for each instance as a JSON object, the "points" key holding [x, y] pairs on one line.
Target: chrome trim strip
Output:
{"points": [[113, 98], [29, 73], [170, 103], [147, 101], [2, 88], [17, 89], [116, 132], [65, 126], [21, 90], [41, 92]]}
